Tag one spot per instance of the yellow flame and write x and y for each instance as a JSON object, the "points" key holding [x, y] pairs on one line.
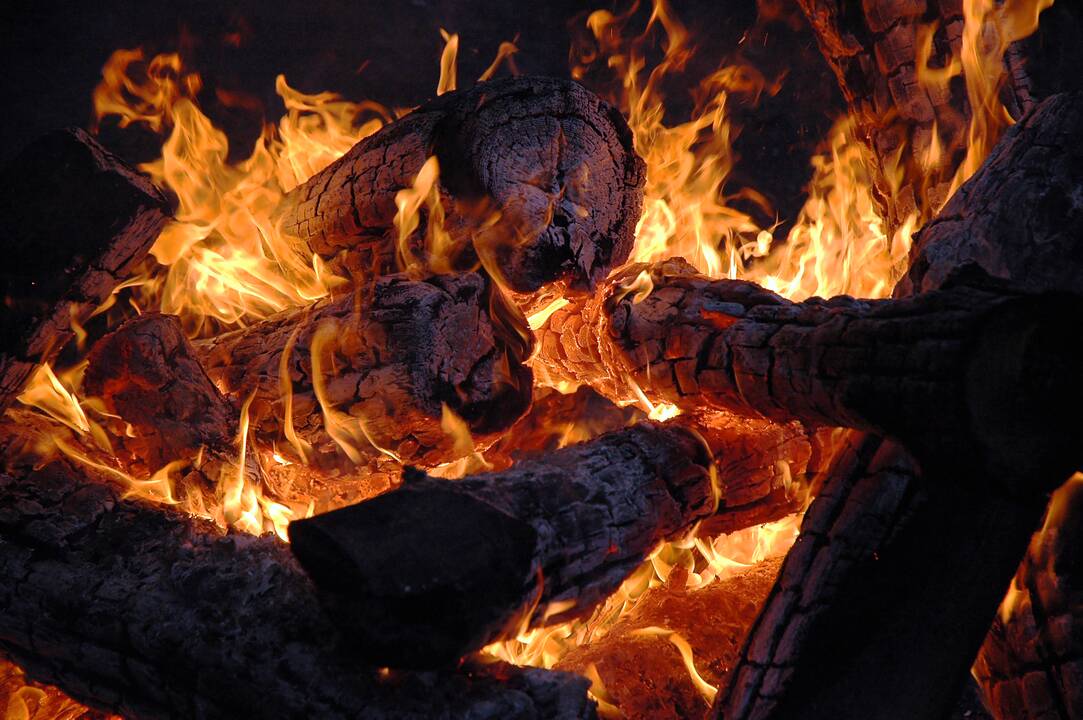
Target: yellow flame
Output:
{"points": [[448, 59], [707, 690], [422, 201]]}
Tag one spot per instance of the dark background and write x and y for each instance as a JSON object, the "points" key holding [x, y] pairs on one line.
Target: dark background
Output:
{"points": [[53, 52]]}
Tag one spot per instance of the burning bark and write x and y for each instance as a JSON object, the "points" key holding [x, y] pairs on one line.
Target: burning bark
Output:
{"points": [[436, 569], [543, 541], [974, 355], [537, 176], [146, 372], [64, 259], [389, 361], [151, 614]]}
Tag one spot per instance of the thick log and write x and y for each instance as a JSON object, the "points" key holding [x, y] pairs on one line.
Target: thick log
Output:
{"points": [[435, 569], [892, 608], [146, 373], [538, 174], [875, 50], [873, 613], [545, 540], [77, 221], [151, 614], [1020, 217], [391, 357], [1031, 665], [956, 370]]}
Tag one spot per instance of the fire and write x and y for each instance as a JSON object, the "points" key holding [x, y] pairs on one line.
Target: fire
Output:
{"points": [[223, 263]]}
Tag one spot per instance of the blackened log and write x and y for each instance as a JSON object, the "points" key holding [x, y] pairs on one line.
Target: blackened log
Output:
{"points": [[875, 51], [957, 370], [147, 373], [1020, 217], [395, 353], [437, 568], [149, 613], [1031, 664], [537, 173], [882, 600], [77, 221]]}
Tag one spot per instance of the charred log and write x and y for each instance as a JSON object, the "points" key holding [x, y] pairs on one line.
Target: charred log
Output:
{"points": [[77, 221], [875, 612], [436, 569], [946, 370], [538, 174], [1031, 665], [390, 360], [1020, 217], [146, 372], [150, 614], [543, 541]]}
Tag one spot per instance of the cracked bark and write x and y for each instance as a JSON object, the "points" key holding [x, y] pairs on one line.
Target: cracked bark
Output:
{"points": [[151, 614], [543, 541], [537, 175], [394, 354], [63, 259], [959, 370]]}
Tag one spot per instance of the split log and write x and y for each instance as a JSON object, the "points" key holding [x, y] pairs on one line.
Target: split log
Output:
{"points": [[959, 370], [539, 174], [151, 614], [77, 221], [543, 541], [389, 359], [884, 600]]}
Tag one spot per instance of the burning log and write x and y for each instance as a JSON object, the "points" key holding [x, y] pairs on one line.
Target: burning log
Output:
{"points": [[427, 573], [538, 174], [543, 541], [146, 372], [63, 259], [151, 614], [379, 370], [1031, 664], [848, 630], [974, 355]]}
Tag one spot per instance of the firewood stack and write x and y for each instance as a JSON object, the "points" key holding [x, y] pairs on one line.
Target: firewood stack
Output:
{"points": [[961, 395]]}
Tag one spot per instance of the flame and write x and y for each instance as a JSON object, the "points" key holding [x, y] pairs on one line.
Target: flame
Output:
{"points": [[223, 262]]}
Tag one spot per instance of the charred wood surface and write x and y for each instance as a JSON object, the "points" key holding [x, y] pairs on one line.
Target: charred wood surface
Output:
{"points": [[1020, 217], [147, 373], [961, 368], [875, 49], [884, 532], [438, 568], [551, 163], [390, 357], [77, 221], [873, 614], [150, 614], [1031, 665]]}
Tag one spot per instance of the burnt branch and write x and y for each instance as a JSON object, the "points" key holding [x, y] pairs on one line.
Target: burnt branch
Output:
{"points": [[538, 174], [77, 221]]}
